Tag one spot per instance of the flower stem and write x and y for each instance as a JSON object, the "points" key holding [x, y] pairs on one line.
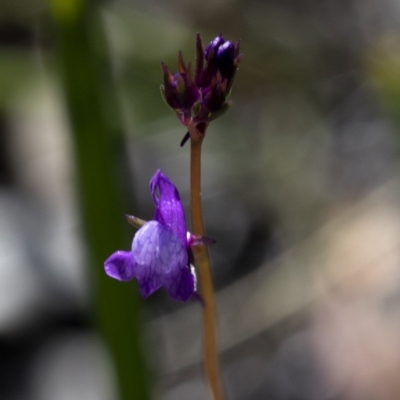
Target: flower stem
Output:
{"points": [[203, 267]]}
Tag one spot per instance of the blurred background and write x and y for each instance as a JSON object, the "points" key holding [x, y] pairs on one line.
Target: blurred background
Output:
{"points": [[300, 187]]}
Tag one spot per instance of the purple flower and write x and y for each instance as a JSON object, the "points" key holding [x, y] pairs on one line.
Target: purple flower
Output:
{"points": [[203, 98], [160, 249]]}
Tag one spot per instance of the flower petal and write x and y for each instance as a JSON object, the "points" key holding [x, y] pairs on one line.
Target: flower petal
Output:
{"points": [[158, 255], [169, 209], [120, 266], [180, 285]]}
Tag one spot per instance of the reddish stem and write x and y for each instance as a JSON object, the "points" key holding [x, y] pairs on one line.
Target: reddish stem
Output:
{"points": [[203, 268]]}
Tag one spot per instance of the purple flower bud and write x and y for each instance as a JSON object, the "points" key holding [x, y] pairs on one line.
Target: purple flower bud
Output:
{"points": [[222, 58], [226, 62], [179, 90], [160, 249], [203, 98]]}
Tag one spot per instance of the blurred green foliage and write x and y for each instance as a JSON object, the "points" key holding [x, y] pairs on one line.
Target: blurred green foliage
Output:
{"points": [[116, 305]]}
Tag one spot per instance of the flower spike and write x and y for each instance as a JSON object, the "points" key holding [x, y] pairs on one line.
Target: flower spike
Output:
{"points": [[204, 97]]}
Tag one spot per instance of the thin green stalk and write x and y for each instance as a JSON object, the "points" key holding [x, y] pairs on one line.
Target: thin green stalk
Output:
{"points": [[203, 268]]}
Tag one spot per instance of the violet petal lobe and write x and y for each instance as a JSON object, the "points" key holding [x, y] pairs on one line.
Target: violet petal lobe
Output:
{"points": [[159, 256], [180, 284], [120, 266], [169, 209]]}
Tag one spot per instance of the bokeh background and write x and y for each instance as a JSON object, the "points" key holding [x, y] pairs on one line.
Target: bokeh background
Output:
{"points": [[300, 187]]}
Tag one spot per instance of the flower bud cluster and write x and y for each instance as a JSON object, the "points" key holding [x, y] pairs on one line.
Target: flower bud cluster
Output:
{"points": [[204, 96]]}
